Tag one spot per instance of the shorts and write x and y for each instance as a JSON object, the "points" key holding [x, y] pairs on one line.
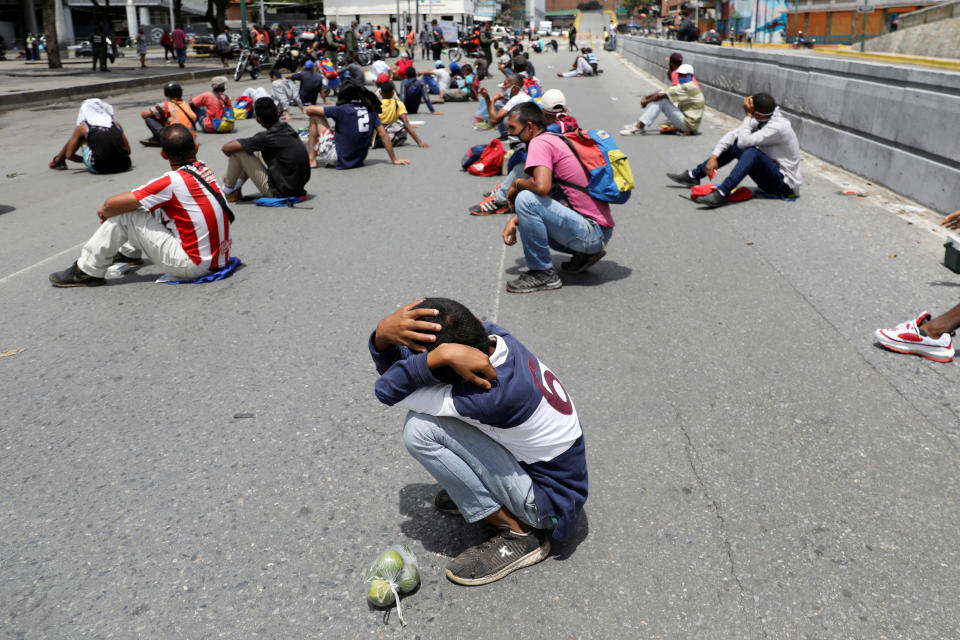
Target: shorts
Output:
{"points": [[87, 158], [326, 150]]}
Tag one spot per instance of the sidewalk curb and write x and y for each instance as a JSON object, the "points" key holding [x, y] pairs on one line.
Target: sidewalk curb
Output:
{"points": [[44, 96]]}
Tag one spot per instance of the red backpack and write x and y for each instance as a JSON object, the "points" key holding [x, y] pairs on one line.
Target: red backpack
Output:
{"points": [[491, 160]]}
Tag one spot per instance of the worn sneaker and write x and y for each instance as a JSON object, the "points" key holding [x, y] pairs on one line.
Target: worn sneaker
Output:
{"points": [[122, 259], [684, 178], [713, 199], [488, 207], [580, 262], [667, 129], [631, 130], [150, 142], [445, 504], [73, 277], [487, 194], [535, 280], [908, 337], [60, 164], [499, 556]]}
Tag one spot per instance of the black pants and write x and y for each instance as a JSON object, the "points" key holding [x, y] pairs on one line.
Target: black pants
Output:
{"points": [[99, 56], [437, 48], [168, 52]]}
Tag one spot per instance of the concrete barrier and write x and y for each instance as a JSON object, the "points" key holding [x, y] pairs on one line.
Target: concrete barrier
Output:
{"points": [[893, 125]]}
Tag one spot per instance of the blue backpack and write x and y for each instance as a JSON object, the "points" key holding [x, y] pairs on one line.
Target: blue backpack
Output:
{"points": [[608, 170]]}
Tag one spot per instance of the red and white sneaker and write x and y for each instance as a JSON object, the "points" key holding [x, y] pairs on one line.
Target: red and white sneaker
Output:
{"points": [[908, 337]]}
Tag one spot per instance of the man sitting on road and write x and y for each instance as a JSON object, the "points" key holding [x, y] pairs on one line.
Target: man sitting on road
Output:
{"points": [[173, 111], [311, 84], [356, 117], [393, 116], [174, 220], [210, 107], [97, 141], [500, 105], [413, 90], [284, 93], [274, 160], [682, 104], [580, 68], [765, 148], [492, 424], [583, 228], [554, 106]]}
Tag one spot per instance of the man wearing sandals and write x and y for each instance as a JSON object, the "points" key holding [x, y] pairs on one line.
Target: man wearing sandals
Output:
{"points": [[492, 424]]}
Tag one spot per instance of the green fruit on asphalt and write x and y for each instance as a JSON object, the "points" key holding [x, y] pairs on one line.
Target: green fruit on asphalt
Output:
{"points": [[387, 565], [409, 579], [380, 593]]}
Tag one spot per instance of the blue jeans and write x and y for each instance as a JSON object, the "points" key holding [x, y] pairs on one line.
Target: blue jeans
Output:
{"points": [[544, 224], [432, 85], [750, 162], [181, 56], [500, 194], [479, 474]]}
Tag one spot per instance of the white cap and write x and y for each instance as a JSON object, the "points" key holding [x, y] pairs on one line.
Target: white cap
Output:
{"points": [[685, 70], [553, 101]]}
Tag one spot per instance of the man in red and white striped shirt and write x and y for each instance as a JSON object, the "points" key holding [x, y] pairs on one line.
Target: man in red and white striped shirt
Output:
{"points": [[175, 220]]}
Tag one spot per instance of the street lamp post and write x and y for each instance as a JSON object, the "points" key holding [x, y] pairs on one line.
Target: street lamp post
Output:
{"points": [[863, 27], [243, 22]]}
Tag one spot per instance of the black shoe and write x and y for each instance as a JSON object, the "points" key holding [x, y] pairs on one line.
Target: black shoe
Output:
{"points": [[535, 280], [58, 164], [149, 142], [684, 178], [445, 504], [580, 262], [122, 259], [713, 199], [499, 556], [73, 277]]}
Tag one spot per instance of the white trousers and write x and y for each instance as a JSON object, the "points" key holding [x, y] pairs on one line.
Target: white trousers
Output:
{"points": [[667, 108], [583, 69], [137, 233]]}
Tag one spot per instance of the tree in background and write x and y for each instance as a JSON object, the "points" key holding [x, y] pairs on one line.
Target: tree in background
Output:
{"points": [[217, 14], [50, 30]]}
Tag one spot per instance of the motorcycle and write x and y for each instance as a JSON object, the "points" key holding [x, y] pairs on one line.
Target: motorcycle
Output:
{"points": [[250, 60], [288, 58], [803, 43], [466, 48]]}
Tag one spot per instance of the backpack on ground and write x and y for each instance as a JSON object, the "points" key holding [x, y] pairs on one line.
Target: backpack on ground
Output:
{"points": [[397, 133], [608, 170], [490, 161]]}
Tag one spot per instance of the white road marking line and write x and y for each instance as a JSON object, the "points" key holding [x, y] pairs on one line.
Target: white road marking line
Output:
{"points": [[37, 264], [500, 284]]}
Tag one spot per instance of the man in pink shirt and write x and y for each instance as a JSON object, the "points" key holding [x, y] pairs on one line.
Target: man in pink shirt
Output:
{"points": [[180, 45], [552, 210]]}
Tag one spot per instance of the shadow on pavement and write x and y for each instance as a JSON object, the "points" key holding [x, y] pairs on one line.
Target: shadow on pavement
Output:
{"points": [[604, 271], [449, 535], [438, 532], [5, 208]]}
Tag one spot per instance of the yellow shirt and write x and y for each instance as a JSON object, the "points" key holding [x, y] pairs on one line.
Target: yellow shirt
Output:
{"points": [[390, 110]]}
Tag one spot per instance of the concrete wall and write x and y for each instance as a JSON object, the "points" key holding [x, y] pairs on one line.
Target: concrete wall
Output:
{"points": [[942, 11], [940, 39], [896, 126]]}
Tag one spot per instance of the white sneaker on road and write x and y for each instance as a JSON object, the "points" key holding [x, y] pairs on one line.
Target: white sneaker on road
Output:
{"points": [[908, 337]]}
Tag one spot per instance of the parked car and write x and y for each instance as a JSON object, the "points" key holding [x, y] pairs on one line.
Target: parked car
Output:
{"points": [[712, 37], [500, 32], [83, 50], [204, 45]]}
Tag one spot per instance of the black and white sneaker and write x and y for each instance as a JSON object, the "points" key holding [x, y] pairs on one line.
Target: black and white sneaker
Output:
{"points": [[73, 277], [498, 557], [684, 178], [580, 262], [445, 504], [535, 280]]}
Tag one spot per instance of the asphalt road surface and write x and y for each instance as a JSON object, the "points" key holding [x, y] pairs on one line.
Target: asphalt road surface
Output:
{"points": [[758, 468]]}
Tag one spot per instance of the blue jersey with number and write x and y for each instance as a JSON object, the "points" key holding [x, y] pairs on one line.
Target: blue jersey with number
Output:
{"points": [[351, 136], [526, 410]]}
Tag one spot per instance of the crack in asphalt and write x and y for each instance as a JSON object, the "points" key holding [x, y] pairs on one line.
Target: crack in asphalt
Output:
{"points": [[693, 455]]}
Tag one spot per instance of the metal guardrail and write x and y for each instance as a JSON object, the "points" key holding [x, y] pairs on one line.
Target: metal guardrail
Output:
{"points": [[943, 11]]}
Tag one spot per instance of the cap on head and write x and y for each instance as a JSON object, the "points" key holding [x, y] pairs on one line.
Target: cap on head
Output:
{"points": [[309, 64], [553, 101], [454, 67], [383, 77], [438, 64], [218, 82], [685, 70], [173, 90]]}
